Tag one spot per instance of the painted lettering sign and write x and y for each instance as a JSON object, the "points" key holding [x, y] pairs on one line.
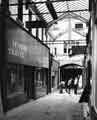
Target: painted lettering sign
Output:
{"points": [[17, 49], [24, 48]]}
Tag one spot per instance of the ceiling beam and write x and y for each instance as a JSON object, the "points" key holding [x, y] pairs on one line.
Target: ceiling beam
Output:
{"points": [[78, 40], [41, 2], [60, 18], [53, 1], [51, 9], [81, 10], [69, 15], [32, 7], [42, 13], [80, 17]]}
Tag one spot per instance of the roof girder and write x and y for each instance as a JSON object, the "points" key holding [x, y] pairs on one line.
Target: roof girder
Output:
{"points": [[40, 2], [79, 17], [51, 10], [72, 14], [32, 8]]}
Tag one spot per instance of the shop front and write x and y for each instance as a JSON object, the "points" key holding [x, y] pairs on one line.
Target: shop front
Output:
{"points": [[27, 67], [55, 74], [41, 75], [15, 85]]}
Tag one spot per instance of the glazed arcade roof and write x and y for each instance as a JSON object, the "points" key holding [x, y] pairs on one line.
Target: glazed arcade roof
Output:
{"points": [[53, 10]]}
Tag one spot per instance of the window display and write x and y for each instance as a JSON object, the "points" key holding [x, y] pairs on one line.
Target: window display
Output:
{"points": [[15, 81]]}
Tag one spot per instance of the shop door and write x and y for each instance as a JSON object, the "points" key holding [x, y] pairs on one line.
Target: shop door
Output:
{"points": [[29, 87]]}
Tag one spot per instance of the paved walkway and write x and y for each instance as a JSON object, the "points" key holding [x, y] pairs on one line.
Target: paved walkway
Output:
{"points": [[54, 106]]}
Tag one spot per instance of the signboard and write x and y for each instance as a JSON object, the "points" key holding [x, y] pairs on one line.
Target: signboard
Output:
{"points": [[78, 50], [55, 65], [23, 48]]}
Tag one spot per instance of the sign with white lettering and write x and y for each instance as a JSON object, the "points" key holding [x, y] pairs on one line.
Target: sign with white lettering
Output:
{"points": [[78, 50], [23, 48]]}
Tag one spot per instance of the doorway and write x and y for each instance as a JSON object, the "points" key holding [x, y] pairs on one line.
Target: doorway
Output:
{"points": [[29, 85]]}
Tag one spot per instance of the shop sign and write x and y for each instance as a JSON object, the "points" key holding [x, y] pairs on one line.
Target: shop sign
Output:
{"points": [[78, 50], [17, 49], [55, 65], [24, 48]]}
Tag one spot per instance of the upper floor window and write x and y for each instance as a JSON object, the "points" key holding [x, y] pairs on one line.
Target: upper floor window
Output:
{"points": [[78, 25]]}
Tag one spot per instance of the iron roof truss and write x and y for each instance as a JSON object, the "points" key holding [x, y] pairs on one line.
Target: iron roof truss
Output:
{"points": [[50, 11]]}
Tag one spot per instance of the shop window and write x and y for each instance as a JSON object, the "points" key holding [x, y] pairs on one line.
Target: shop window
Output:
{"points": [[11, 81], [40, 78], [15, 82], [39, 81]]}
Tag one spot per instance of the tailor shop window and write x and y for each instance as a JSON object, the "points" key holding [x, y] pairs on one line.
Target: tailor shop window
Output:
{"points": [[40, 78], [15, 80]]}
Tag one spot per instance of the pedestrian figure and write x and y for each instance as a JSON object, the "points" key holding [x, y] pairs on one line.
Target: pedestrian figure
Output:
{"points": [[66, 85], [69, 85], [76, 82], [85, 94], [61, 86]]}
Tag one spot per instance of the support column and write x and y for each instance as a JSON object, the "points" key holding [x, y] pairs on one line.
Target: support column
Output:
{"points": [[42, 36], [49, 74], [37, 32], [33, 89], [59, 76], [20, 10], [30, 19], [3, 54], [46, 35], [83, 77], [47, 80]]}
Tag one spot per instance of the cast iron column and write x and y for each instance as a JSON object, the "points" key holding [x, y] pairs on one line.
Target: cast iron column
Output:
{"points": [[20, 10], [49, 76], [30, 19], [42, 34], [3, 54]]}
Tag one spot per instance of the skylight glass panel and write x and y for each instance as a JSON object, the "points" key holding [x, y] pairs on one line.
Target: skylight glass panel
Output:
{"points": [[85, 14], [60, 6], [13, 1], [76, 5], [48, 17], [42, 7], [13, 9]]}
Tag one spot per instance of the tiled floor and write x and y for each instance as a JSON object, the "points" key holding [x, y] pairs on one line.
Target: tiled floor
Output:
{"points": [[54, 106]]}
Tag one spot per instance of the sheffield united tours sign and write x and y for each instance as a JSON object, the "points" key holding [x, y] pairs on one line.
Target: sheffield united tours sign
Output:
{"points": [[23, 48]]}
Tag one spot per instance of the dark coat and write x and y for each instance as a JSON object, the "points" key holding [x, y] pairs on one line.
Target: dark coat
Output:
{"points": [[85, 94]]}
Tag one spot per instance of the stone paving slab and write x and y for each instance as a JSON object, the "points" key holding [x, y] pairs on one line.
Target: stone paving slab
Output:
{"points": [[54, 106]]}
